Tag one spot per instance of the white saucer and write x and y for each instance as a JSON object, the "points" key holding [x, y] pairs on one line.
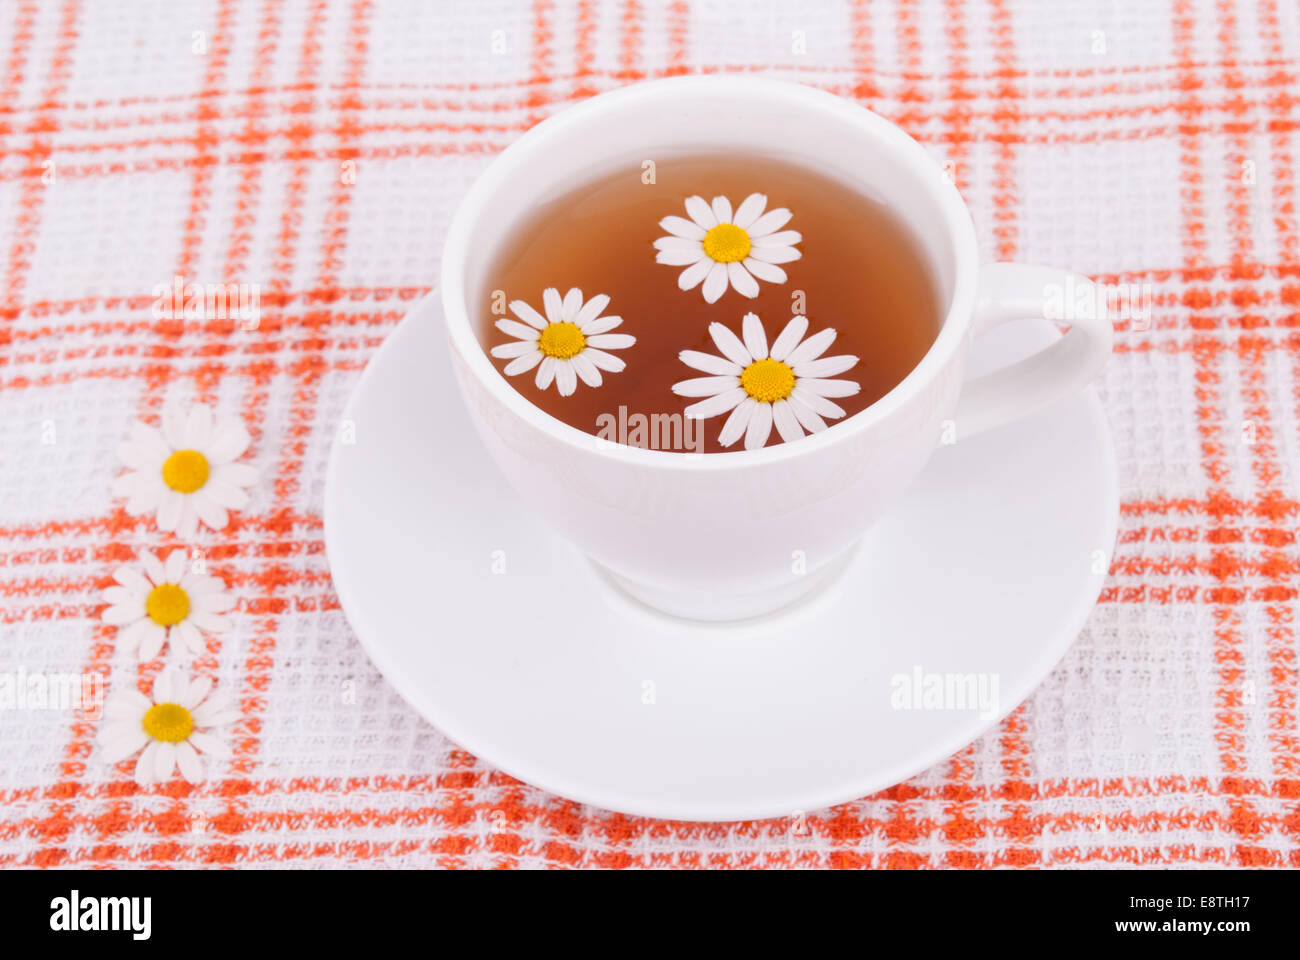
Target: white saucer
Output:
{"points": [[549, 672]]}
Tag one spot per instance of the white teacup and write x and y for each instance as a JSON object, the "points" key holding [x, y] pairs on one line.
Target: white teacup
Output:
{"points": [[730, 535]]}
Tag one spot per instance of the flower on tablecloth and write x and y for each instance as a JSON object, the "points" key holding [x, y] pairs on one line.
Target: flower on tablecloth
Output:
{"points": [[170, 727], [162, 602], [720, 248], [785, 386], [184, 472]]}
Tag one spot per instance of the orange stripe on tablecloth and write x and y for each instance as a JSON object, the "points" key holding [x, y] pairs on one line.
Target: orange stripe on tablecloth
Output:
{"points": [[1017, 829], [246, 200], [584, 49], [678, 15], [629, 48], [1281, 645], [43, 125], [910, 116], [862, 51], [540, 70]]}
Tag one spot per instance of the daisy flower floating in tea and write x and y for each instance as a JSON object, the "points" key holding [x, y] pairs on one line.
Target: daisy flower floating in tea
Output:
{"points": [[567, 345], [786, 385], [720, 248]]}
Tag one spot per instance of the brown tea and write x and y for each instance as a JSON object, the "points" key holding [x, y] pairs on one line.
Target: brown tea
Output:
{"points": [[708, 303]]}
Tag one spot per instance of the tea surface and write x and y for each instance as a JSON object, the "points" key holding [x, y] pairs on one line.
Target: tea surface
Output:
{"points": [[858, 271]]}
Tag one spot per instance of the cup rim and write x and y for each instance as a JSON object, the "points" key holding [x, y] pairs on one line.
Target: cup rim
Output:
{"points": [[952, 331]]}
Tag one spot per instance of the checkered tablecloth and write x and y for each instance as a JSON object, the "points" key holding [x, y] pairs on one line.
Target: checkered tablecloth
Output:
{"points": [[317, 149]]}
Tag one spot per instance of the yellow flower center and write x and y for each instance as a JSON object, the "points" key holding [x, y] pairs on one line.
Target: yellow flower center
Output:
{"points": [[562, 340], [768, 381], [185, 471], [726, 243], [168, 721], [167, 605]]}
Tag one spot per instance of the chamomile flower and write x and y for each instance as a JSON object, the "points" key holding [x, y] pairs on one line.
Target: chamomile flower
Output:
{"points": [[163, 602], [567, 345], [786, 385], [170, 727], [720, 248], [184, 472]]}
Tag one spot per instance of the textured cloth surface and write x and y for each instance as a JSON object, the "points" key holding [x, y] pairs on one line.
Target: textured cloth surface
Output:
{"points": [[318, 149]]}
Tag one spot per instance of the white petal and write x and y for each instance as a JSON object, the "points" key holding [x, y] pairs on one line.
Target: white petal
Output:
{"points": [[755, 337], [722, 209], [730, 345], [520, 331], [225, 494], [767, 272], [813, 347], [116, 596], [715, 284], [829, 388], [130, 638], [230, 438], [807, 416], [523, 364], [173, 419], [774, 254], [554, 304], [825, 366], [572, 304], [603, 360], [786, 238], [791, 335], [750, 209], [527, 314], [170, 508], [760, 426], [120, 614], [701, 212], [235, 474], [174, 567], [586, 370], [708, 363], [566, 378], [769, 223], [678, 243], [611, 341], [681, 227], [164, 760], [194, 692], [146, 768], [208, 510], [217, 703], [545, 373], [207, 621], [681, 258], [705, 386], [207, 743], [129, 704], [820, 405], [126, 742], [591, 310], [599, 325], [741, 281], [147, 495], [690, 278], [153, 569], [715, 405], [737, 423], [508, 351], [787, 424], [186, 637], [138, 457], [166, 686], [132, 579], [198, 427], [188, 761], [150, 440]]}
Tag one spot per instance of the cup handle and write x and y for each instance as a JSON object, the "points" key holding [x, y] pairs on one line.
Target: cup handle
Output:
{"points": [[1017, 291]]}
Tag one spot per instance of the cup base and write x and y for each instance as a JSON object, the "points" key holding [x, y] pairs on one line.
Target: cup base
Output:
{"points": [[711, 607]]}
